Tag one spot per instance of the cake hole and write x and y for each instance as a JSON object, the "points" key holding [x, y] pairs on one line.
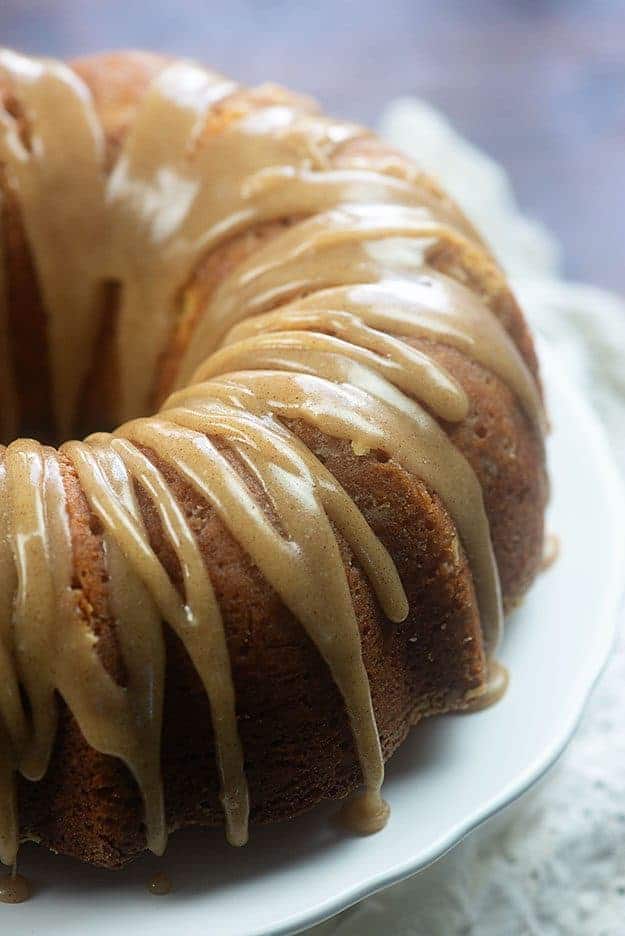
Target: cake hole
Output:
{"points": [[100, 389], [98, 398]]}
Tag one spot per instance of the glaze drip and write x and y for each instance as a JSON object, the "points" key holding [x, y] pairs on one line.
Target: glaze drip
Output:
{"points": [[14, 889], [496, 686], [364, 814], [160, 885], [329, 323]]}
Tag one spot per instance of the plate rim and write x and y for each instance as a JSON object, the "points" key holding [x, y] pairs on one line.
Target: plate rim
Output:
{"points": [[613, 599]]}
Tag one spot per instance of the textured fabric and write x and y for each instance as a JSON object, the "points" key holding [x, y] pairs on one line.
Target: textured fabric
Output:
{"points": [[554, 863]]}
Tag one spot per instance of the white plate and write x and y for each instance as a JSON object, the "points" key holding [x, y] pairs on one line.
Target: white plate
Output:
{"points": [[450, 775]]}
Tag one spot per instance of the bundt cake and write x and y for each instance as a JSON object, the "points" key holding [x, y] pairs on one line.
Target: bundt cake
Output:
{"points": [[328, 480]]}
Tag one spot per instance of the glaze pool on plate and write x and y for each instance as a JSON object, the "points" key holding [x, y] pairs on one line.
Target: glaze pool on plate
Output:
{"points": [[450, 775]]}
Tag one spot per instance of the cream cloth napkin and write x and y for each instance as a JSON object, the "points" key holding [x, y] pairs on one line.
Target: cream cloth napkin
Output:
{"points": [[554, 863]]}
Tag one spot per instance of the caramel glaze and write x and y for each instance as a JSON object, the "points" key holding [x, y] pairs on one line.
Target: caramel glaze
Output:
{"points": [[364, 814], [318, 325], [160, 885], [14, 889], [551, 551], [494, 690]]}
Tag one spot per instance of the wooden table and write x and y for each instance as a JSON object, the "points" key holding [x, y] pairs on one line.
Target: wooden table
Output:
{"points": [[540, 84]]}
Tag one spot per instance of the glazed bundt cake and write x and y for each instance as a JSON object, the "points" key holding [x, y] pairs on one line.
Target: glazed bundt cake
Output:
{"points": [[328, 480]]}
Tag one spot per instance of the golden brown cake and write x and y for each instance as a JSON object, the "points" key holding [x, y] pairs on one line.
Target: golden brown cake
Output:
{"points": [[328, 480]]}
